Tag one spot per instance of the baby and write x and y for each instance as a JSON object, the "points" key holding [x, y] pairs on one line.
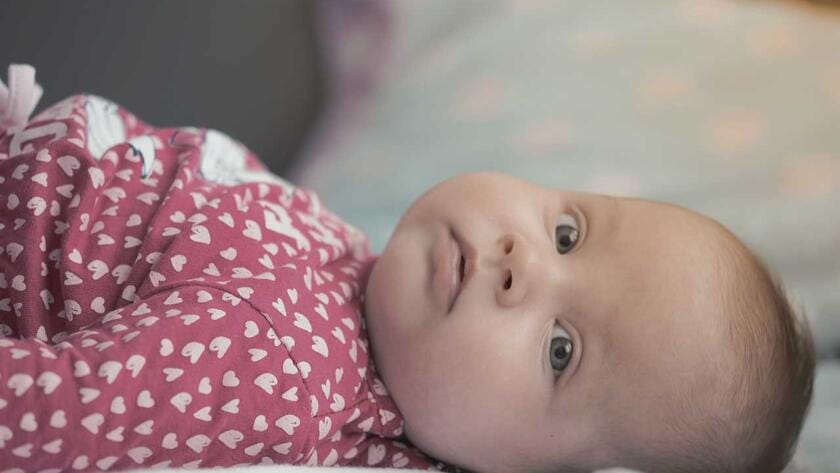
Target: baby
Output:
{"points": [[166, 301], [525, 329]]}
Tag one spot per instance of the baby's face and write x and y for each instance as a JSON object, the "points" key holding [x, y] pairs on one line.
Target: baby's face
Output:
{"points": [[575, 315]]}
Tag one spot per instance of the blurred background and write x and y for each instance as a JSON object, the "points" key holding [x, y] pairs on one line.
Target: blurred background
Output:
{"points": [[728, 107], [250, 68]]}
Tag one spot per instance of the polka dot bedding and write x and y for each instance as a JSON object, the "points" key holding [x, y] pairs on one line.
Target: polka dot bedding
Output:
{"points": [[165, 301]]}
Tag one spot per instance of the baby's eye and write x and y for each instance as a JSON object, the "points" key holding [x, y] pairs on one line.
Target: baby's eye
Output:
{"points": [[560, 350], [566, 234]]}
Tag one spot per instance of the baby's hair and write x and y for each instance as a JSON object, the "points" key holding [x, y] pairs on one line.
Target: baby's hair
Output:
{"points": [[778, 360], [753, 423]]}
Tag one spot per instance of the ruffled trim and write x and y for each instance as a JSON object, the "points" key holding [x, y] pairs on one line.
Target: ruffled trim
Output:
{"points": [[18, 100]]}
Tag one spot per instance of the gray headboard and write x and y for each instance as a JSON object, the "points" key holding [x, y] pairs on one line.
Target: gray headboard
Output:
{"points": [[248, 68]]}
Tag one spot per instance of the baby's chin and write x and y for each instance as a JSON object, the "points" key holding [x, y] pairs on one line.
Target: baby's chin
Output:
{"points": [[372, 313], [373, 290]]}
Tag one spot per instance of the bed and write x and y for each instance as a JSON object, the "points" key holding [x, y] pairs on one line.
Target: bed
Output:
{"points": [[729, 108]]}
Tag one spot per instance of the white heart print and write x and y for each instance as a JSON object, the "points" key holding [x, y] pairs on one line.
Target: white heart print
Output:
{"points": [[200, 305]]}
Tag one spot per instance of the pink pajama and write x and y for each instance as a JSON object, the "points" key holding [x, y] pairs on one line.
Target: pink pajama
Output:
{"points": [[166, 301]]}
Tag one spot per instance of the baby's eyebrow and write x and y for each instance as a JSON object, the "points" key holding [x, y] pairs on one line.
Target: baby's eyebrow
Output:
{"points": [[606, 220]]}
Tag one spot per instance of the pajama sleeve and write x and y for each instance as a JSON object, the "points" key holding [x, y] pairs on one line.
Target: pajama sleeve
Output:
{"points": [[384, 452], [190, 374]]}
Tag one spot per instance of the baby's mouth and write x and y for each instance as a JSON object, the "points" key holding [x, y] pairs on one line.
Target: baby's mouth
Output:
{"points": [[460, 281], [459, 272], [453, 265], [466, 264]]}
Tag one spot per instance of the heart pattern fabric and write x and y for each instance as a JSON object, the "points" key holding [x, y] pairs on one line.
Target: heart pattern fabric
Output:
{"points": [[166, 301]]}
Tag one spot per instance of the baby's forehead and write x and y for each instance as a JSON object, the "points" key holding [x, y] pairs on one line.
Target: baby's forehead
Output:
{"points": [[665, 224], [666, 257], [673, 268], [661, 312]]}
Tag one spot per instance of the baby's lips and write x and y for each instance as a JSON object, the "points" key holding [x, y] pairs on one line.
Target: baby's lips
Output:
{"points": [[445, 260], [470, 255]]}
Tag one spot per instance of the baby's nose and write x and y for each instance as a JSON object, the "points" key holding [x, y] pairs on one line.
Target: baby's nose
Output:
{"points": [[516, 269]]}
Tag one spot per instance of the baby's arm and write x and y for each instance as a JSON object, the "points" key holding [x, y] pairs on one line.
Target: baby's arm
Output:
{"points": [[390, 453], [165, 380]]}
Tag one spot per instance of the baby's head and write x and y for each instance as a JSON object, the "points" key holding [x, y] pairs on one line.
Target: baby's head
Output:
{"points": [[588, 331]]}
